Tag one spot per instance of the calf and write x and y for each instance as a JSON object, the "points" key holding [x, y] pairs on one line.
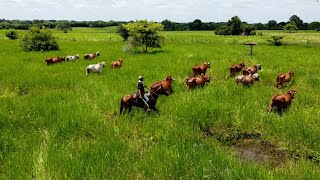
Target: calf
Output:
{"points": [[284, 78], [236, 68], [202, 69], [281, 101], [95, 68], [91, 56], [197, 81], [72, 58], [252, 70], [54, 60], [116, 64]]}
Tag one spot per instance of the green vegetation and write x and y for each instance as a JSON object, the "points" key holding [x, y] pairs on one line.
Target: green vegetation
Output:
{"points": [[276, 40], [12, 35], [57, 124], [235, 27], [39, 40], [291, 27], [64, 26], [143, 33]]}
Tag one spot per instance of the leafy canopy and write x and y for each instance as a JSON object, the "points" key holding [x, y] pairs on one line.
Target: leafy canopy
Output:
{"points": [[145, 34], [291, 27]]}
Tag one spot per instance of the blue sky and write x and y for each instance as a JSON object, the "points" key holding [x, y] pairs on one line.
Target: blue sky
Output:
{"points": [[251, 11]]}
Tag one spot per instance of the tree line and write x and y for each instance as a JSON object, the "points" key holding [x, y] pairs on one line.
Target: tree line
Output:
{"points": [[195, 25]]}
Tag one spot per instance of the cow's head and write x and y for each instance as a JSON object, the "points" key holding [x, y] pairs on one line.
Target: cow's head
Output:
{"points": [[97, 54], [292, 93], [103, 64]]}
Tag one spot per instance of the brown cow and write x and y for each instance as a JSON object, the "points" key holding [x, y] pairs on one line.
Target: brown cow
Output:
{"points": [[202, 69], [91, 56], [197, 81], [164, 85], [116, 64], [236, 68], [54, 60], [252, 70], [284, 78], [281, 101]]}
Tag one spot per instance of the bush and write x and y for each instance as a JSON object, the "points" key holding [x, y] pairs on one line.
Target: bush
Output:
{"points": [[39, 40], [223, 30], [276, 40], [12, 35], [260, 34], [253, 33]]}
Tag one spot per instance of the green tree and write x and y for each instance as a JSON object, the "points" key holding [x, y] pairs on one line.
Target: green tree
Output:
{"points": [[290, 27], [123, 32], [38, 39], [235, 25], [314, 25], [168, 25], [248, 29], [196, 25], [272, 24], [297, 20], [145, 34], [63, 25]]}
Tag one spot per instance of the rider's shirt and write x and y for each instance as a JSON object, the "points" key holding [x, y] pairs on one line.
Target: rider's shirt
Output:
{"points": [[141, 86]]}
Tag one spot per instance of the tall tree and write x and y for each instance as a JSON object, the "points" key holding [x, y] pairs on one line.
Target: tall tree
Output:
{"points": [[297, 20], [235, 25]]}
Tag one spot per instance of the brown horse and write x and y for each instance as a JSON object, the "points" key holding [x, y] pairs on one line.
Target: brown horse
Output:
{"points": [[165, 86], [129, 100]]}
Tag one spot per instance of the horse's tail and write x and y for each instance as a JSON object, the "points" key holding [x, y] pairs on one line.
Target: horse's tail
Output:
{"points": [[121, 106]]}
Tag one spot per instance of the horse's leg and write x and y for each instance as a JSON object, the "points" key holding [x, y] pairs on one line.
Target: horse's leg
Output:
{"points": [[155, 109]]}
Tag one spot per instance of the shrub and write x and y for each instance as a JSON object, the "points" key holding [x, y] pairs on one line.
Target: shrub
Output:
{"points": [[253, 33], [260, 34], [12, 35], [39, 40], [223, 30], [276, 40]]}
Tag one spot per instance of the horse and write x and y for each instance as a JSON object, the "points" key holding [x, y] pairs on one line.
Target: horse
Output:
{"points": [[165, 86], [130, 100]]}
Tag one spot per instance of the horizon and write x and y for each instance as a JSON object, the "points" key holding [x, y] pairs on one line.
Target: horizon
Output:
{"points": [[176, 11]]}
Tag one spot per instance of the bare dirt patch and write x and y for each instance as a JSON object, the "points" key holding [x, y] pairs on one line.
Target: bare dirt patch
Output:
{"points": [[251, 147]]}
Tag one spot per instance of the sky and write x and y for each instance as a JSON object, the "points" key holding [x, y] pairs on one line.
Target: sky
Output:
{"points": [[252, 11]]}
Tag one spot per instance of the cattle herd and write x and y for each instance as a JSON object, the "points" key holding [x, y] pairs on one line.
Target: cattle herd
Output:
{"points": [[199, 78]]}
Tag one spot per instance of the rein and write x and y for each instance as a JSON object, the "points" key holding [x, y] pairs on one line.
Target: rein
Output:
{"points": [[155, 90]]}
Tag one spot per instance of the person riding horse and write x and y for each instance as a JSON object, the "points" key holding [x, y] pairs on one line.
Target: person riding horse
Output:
{"points": [[140, 92]]}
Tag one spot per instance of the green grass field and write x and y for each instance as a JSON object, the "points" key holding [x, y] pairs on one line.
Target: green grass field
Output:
{"points": [[56, 123]]}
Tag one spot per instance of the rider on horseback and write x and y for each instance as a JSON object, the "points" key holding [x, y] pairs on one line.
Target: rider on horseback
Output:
{"points": [[141, 93]]}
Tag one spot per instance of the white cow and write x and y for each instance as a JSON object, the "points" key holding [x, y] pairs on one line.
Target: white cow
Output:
{"points": [[72, 58], [95, 68], [247, 80]]}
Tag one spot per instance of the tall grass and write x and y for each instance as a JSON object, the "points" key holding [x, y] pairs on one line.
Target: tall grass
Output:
{"points": [[56, 123]]}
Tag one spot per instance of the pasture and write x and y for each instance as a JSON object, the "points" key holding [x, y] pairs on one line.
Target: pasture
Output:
{"points": [[56, 123]]}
